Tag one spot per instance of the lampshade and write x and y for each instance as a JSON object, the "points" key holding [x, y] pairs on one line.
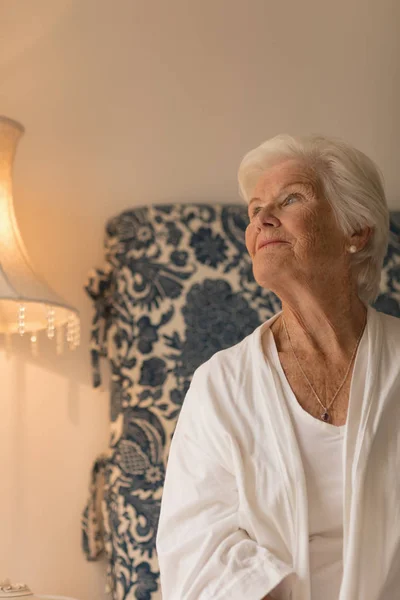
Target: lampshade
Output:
{"points": [[27, 304]]}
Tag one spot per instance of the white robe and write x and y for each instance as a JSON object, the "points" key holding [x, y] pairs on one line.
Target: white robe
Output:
{"points": [[234, 518]]}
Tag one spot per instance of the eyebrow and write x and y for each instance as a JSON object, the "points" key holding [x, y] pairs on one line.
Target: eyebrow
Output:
{"points": [[302, 183]]}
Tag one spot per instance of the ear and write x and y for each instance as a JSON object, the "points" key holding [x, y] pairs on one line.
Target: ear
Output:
{"points": [[360, 238]]}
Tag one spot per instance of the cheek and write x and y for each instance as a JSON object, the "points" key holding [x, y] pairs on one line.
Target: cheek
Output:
{"points": [[313, 232], [306, 229]]}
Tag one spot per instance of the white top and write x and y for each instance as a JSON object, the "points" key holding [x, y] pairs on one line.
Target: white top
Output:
{"points": [[321, 447], [234, 514]]}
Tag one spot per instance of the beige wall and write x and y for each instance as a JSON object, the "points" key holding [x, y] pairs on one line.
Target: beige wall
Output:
{"points": [[128, 103]]}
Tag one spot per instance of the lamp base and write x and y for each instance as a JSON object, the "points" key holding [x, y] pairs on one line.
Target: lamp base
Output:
{"points": [[16, 590]]}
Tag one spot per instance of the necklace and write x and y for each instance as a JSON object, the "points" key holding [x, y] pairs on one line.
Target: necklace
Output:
{"points": [[325, 415]]}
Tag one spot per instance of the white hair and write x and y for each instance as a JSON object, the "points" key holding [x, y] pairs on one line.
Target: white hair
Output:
{"points": [[348, 180]]}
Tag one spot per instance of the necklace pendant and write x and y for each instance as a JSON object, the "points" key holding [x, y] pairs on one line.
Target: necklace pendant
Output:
{"points": [[325, 416]]}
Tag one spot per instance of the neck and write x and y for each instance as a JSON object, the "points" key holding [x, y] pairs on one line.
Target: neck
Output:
{"points": [[329, 328]]}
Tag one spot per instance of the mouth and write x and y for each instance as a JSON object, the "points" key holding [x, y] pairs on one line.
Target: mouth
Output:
{"points": [[272, 243]]}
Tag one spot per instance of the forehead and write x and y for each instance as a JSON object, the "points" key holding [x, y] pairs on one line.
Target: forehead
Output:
{"points": [[280, 176]]}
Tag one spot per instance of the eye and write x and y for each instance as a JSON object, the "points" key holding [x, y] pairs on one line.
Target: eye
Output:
{"points": [[290, 197], [254, 211]]}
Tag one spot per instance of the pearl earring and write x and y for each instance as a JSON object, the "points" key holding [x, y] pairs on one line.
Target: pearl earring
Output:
{"points": [[353, 249]]}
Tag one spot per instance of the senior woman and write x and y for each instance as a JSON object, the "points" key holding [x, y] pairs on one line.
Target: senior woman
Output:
{"points": [[283, 478]]}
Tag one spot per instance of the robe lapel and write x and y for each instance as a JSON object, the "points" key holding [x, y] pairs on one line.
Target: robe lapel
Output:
{"points": [[361, 421], [293, 474]]}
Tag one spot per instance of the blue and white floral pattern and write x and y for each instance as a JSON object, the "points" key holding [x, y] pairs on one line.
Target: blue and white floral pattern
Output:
{"points": [[177, 286]]}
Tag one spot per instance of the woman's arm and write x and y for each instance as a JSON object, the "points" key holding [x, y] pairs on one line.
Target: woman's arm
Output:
{"points": [[203, 553]]}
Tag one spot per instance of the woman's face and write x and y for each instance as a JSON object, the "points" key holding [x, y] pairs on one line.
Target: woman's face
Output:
{"points": [[284, 206]]}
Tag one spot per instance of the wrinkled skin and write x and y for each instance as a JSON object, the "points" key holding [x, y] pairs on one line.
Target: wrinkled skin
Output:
{"points": [[310, 272]]}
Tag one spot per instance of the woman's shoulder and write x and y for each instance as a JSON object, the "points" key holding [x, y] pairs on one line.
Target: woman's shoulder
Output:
{"points": [[390, 331], [391, 325], [233, 360], [222, 388]]}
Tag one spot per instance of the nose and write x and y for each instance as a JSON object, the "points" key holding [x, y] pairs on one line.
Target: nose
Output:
{"points": [[266, 218]]}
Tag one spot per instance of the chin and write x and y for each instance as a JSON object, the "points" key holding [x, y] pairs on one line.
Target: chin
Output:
{"points": [[267, 275], [265, 280]]}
